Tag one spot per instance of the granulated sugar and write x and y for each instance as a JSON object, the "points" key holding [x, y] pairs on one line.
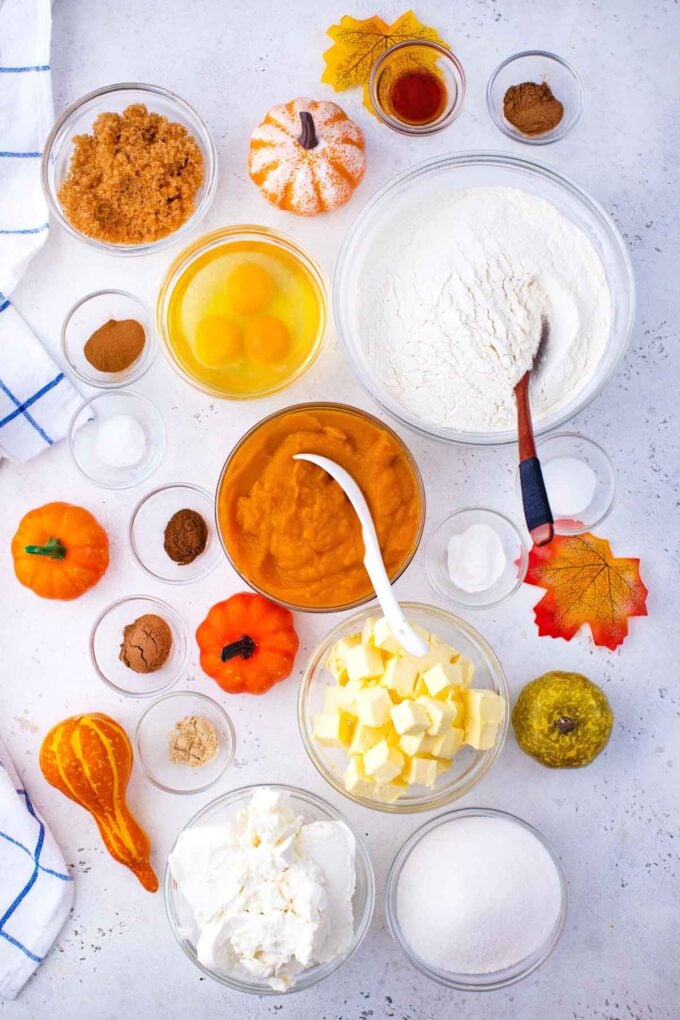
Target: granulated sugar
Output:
{"points": [[477, 895]]}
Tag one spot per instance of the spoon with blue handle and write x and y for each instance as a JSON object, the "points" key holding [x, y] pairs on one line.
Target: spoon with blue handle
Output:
{"points": [[537, 512], [407, 637]]}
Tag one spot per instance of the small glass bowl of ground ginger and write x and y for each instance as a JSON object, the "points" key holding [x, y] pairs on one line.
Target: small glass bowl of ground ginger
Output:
{"points": [[129, 169], [535, 97]]}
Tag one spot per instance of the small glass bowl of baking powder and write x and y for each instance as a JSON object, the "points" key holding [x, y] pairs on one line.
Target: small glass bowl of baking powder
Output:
{"points": [[88, 315], [476, 558], [536, 66], [580, 481], [152, 742]]}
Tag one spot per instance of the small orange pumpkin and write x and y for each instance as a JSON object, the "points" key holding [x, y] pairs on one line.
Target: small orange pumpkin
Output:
{"points": [[89, 758], [307, 157], [247, 644], [60, 551]]}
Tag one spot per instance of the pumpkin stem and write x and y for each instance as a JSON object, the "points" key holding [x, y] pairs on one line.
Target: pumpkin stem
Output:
{"points": [[307, 137], [565, 724], [244, 646], [53, 549]]}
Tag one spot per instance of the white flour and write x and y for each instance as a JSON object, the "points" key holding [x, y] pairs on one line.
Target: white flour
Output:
{"points": [[458, 289]]}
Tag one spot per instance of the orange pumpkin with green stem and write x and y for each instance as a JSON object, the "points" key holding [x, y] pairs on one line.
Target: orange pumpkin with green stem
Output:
{"points": [[247, 644], [89, 758], [60, 551]]}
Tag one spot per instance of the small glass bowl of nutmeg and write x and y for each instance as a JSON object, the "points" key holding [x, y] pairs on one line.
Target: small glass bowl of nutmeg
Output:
{"points": [[173, 536], [535, 97]]}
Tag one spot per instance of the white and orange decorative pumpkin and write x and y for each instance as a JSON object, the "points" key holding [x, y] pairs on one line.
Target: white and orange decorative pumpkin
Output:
{"points": [[307, 157]]}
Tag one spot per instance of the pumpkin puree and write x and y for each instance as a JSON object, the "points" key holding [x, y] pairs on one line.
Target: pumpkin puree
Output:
{"points": [[289, 528]]}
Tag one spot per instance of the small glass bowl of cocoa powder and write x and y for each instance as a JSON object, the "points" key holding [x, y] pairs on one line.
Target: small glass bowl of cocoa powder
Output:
{"points": [[535, 97], [163, 547], [156, 169], [108, 339]]}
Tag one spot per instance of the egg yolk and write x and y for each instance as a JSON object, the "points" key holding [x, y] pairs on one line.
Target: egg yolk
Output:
{"points": [[217, 342], [267, 340], [249, 288]]}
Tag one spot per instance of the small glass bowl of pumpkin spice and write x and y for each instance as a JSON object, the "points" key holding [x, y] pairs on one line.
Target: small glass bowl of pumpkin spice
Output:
{"points": [[535, 97], [156, 163]]}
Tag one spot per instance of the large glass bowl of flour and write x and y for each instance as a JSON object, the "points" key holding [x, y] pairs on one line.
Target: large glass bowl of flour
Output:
{"points": [[445, 278]]}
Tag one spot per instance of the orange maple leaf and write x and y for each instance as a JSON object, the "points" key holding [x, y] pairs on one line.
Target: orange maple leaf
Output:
{"points": [[585, 584]]}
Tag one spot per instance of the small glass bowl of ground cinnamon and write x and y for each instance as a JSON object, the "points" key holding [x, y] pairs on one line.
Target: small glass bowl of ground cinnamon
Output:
{"points": [[108, 339], [535, 97], [172, 534], [129, 169]]}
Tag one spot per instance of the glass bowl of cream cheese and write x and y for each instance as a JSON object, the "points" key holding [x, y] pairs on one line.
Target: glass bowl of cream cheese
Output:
{"points": [[269, 889], [445, 278]]}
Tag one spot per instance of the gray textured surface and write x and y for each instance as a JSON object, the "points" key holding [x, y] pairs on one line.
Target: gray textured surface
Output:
{"points": [[615, 824]]}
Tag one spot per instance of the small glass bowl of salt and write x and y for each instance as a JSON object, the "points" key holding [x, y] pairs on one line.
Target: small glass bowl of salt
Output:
{"points": [[476, 558], [117, 439], [579, 479]]}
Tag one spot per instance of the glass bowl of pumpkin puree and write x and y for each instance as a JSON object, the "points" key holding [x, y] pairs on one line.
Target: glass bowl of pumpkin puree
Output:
{"points": [[289, 530]]}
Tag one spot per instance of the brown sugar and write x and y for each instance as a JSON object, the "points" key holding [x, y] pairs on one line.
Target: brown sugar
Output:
{"points": [[134, 179], [532, 108]]}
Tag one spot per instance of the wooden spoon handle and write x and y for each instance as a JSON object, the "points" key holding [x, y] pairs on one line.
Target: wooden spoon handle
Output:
{"points": [[537, 512]]}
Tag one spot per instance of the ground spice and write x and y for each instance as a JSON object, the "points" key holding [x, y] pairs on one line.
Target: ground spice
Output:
{"points": [[134, 179], [532, 108], [116, 345], [147, 643], [193, 741], [185, 536]]}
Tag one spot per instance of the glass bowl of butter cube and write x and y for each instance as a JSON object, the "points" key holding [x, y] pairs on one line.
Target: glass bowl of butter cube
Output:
{"points": [[401, 733]]}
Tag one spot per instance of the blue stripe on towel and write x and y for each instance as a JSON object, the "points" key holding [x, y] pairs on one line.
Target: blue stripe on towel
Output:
{"points": [[41, 432], [20, 70], [31, 400], [48, 871], [21, 896], [20, 155], [15, 942], [27, 230], [5, 304]]}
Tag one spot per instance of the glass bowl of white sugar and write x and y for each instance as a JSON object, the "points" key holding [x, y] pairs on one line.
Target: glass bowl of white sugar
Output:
{"points": [[445, 278], [477, 899]]}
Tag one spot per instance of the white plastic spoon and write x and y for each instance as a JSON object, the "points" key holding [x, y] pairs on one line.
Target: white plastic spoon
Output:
{"points": [[373, 561]]}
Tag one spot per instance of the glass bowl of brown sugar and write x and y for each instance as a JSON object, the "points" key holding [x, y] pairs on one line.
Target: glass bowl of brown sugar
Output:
{"points": [[156, 169], [535, 97]]}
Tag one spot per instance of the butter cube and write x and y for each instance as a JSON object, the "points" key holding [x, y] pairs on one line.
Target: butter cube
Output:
{"points": [[356, 780], [468, 671], [364, 662], [366, 737], [421, 771], [441, 714], [484, 712], [387, 794], [333, 729], [339, 699], [409, 717], [400, 676], [440, 677], [367, 631], [412, 743], [447, 743], [383, 637], [383, 763], [337, 659], [373, 706]]}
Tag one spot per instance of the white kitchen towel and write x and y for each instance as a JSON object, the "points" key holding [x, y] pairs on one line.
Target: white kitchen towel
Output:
{"points": [[36, 401], [36, 890]]}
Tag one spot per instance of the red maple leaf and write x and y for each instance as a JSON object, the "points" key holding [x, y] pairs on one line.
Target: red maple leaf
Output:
{"points": [[585, 583]]}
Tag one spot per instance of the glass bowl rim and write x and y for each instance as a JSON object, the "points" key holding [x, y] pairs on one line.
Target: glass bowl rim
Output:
{"points": [[323, 405], [457, 981], [226, 720], [150, 343], [437, 798], [178, 622], [329, 811], [116, 392], [419, 129], [208, 150], [523, 564], [212, 239], [131, 525], [560, 130], [504, 161]]}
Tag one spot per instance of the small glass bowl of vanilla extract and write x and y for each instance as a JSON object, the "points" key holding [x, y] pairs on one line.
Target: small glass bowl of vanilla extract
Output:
{"points": [[417, 87]]}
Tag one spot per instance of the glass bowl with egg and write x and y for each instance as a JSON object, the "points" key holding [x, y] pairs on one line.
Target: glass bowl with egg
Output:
{"points": [[426, 259], [79, 119], [440, 774], [311, 809], [242, 312]]}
